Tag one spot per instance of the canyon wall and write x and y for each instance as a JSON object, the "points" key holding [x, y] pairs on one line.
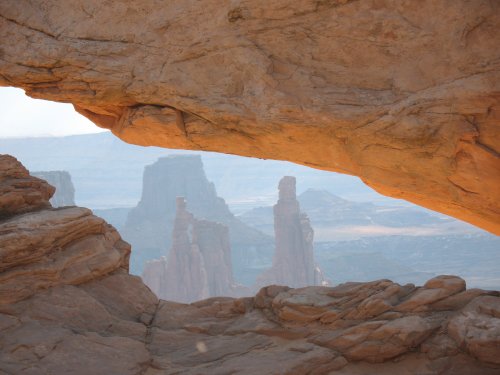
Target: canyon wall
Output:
{"points": [[405, 95], [68, 305], [149, 226], [293, 262], [61, 180]]}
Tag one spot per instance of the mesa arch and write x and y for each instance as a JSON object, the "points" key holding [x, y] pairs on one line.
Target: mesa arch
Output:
{"points": [[405, 95]]}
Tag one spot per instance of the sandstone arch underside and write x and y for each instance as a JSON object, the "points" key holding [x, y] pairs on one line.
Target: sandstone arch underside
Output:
{"points": [[404, 94]]}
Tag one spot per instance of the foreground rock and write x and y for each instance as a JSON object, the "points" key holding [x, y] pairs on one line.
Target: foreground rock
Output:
{"points": [[293, 262], [41, 247], [199, 263], [115, 325], [61, 180], [403, 95], [78, 311], [20, 192]]}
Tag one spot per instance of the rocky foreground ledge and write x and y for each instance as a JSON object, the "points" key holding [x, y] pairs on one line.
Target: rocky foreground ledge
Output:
{"points": [[68, 305]]}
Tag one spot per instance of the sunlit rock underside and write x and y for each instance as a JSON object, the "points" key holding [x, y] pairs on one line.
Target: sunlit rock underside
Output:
{"points": [[404, 94], [68, 305]]}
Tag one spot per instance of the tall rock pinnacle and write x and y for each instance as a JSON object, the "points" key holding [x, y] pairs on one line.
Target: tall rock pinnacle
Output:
{"points": [[293, 263], [198, 264]]}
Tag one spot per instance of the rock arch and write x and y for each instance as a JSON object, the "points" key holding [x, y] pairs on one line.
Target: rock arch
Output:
{"points": [[405, 95]]}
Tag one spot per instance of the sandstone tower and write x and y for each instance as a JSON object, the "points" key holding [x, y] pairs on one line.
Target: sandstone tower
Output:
{"points": [[293, 263], [198, 265]]}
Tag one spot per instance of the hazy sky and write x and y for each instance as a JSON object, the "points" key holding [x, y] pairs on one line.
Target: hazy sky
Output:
{"points": [[22, 116]]}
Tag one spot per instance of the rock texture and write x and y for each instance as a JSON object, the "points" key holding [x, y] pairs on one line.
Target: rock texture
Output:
{"points": [[68, 305], [199, 263], [149, 225], [65, 191], [404, 95], [116, 326], [41, 247], [20, 192], [293, 262]]}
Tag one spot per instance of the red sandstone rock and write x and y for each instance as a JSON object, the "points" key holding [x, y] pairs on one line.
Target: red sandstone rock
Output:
{"points": [[46, 247], [477, 329], [404, 94], [20, 192], [435, 289]]}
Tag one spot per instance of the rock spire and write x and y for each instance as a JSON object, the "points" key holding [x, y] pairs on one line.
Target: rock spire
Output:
{"points": [[293, 263]]}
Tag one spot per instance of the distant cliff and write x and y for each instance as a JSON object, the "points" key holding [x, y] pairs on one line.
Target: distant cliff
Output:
{"points": [[61, 180], [149, 225]]}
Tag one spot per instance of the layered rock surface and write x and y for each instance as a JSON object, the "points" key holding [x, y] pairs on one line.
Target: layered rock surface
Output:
{"points": [[403, 94], [61, 180], [199, 263], [293, 262], [42, 247], [149, 225], [19, 192], [90, 316], [117, 326]]}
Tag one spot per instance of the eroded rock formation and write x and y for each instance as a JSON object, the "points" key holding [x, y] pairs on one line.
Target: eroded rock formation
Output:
{"points": [[68, 305], [198, 264], [149, 226], [293, 262], [61, 180], [41, 247], [403, 94], [19, 192]]}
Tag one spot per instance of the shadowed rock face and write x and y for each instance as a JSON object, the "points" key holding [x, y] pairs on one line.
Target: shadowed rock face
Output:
{"points": [[403, 94], [68, 305], [65, 191], [293, 262]]}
